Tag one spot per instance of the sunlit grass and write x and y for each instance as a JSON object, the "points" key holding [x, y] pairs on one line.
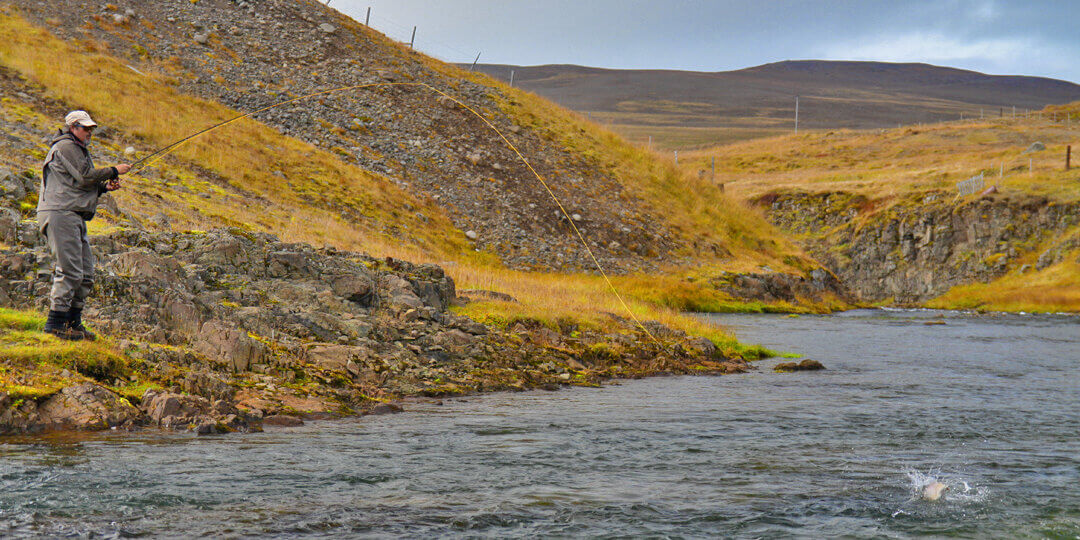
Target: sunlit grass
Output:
{"points": [[887, 163], [1052, 290]]}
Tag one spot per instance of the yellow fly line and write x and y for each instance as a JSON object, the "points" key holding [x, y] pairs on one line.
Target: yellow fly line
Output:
{"points": [[164, 151]]}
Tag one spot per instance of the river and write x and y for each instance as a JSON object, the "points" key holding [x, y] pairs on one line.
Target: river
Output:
{"points": [[989, 405]]}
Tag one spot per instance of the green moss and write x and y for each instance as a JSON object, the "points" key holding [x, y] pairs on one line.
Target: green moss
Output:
{"points": [[11, 319]]}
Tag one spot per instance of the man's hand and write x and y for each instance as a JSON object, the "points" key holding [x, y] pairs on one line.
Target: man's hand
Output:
{"points": [[112, 185], [123, 168]]}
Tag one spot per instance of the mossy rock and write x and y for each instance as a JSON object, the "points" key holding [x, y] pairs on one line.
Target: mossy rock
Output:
{"points": [[805, 365]]}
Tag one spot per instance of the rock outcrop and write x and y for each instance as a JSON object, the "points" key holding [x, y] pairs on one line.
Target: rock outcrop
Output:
{"points": [[237, 326], [915, 250], [86, 407]]}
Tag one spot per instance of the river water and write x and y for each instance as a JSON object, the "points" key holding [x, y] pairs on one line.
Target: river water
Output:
{"points": [[989, 405]]}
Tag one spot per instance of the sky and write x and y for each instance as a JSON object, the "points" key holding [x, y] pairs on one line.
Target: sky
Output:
{"points": [[1000, 37]]}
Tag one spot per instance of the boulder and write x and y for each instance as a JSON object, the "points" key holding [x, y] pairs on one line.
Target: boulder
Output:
{"points": [[399, 292], [146, 265], [283, 420], [332, 357], [386, 408], [280, 264], [11, 187], [9, 226], [231, 344], [181, 408], [805, 365], [353, 287], [209, 386], [85, 407]]}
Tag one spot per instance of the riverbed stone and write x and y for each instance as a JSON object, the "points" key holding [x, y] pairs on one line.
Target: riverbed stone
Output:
{"points": [[85, 407]]}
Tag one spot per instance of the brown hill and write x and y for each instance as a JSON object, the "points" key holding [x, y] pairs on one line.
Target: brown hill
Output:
{"points": [[681, 109]]}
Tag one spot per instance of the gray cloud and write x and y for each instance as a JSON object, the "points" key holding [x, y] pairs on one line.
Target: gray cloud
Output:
{"points": [[994, 36]]}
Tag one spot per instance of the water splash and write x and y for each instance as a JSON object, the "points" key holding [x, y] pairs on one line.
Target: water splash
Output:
{"points": [[960, 491]]}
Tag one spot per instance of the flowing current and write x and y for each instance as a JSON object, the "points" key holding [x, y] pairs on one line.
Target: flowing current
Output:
{"points": [[988, 405]]}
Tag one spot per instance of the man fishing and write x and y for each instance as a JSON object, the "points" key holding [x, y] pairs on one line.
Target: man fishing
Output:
{"points": [[70, 187]]}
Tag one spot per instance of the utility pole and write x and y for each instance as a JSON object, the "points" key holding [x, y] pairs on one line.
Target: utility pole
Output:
{"points": [[474, 62], [412, 40], [367, 20], [796, 115]]}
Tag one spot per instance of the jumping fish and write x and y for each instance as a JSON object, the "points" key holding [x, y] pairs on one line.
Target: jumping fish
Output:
{"points": [[934, 490]]}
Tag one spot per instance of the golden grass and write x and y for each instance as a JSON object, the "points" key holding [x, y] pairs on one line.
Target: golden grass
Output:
{"points": [[1055, 289], [585, 299], [885, 163]]}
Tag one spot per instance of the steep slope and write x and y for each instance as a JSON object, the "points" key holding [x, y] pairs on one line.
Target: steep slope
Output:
{"points": [[251, 55], [883, 209], [259, 266], [682, 109]]}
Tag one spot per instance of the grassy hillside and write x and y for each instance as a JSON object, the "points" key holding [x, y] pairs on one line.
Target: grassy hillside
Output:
{"points": [[689, 110], [874, 177], [883, 163]]}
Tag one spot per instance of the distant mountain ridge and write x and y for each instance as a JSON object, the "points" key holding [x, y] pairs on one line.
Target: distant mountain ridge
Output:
{"points": [[685, 108]]}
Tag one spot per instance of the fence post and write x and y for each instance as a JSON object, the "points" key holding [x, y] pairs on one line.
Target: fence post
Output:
{"points": [[475, 61], [796, 115], [1068, 156], [512, 79], [412, 40], [676, 157], [714, 169], [367, 20]]}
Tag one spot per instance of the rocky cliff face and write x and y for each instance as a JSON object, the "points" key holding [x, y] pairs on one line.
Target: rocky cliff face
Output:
{"points": [[915, 250]]}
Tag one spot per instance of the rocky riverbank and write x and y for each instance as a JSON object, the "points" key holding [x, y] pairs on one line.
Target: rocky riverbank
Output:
{"points": [[221, 330]]}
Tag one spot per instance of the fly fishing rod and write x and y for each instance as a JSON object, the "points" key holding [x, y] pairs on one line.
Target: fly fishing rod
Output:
{"points": [[168, 149]]}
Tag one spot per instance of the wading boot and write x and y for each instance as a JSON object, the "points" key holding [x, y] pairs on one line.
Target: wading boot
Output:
{"points": [[75, 324], [57, 325]]}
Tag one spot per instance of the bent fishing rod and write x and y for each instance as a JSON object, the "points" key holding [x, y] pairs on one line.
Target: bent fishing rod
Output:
{"points": [[168, 149]]}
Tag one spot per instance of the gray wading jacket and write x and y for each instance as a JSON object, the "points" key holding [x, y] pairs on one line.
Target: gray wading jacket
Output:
{"points": [[69, 180]]}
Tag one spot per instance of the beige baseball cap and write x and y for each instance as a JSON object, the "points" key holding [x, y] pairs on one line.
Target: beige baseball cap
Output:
{"points": [[81, 118]]}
